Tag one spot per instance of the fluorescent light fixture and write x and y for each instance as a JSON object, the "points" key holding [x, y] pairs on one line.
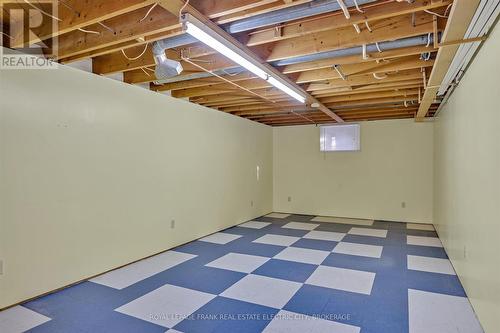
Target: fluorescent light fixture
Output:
{"points": [[219, 43], [286, 89]]}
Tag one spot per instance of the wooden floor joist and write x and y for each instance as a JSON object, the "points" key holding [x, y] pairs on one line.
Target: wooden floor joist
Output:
{"points": [[384, 83]]}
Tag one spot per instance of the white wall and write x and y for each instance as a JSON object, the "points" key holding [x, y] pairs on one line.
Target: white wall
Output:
{"points": [[92, 172], [393, 166], [467, 186]]}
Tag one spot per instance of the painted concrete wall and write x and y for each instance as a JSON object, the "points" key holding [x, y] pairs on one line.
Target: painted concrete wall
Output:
{"points": [[467, 182], [93, 171], [393, 166]]}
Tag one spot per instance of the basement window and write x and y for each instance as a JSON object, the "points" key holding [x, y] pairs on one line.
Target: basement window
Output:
{"points": [[340, 138]]}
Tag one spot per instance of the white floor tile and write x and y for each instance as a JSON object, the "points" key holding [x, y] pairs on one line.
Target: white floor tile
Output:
{"points": [[20, 319], [420, 226], [342, 279], [277, 240], [439, 313], [238, 262], [307, 256], [220, 238], [254, 224], [428, 264], [263, 290], [278, 215], [138, 271], [423, 241], [368, 232], [354, 249], [291, 322], [167, 305], [300, 226], [325, 235], [342, 220]]}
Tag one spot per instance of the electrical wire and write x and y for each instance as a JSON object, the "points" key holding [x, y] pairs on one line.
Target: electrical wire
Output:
{"points": [[435, 14], [224, 79], [89, 31], [428, 39], [357, 7], [368, 26], [145, 72], [375, 75], [149, 12], [183, 7], [356, 27], [105, 27], [365, 55], [378, 47], [134, 58], [344, 9], [42, 11], [7, 35]]}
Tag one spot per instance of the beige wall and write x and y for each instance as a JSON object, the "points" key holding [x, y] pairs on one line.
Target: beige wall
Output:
{"points": [[393, 166], [467, 182], [93, 171]]}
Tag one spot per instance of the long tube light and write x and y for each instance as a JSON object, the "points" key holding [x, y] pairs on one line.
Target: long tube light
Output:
{"points": [[211, 38]]}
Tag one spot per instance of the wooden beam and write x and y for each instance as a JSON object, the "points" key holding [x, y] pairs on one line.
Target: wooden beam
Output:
{"points": [[356, 59], [460, 17], [396, 64], [81, 13], [389, 29], [337, 20], [230, 39]]}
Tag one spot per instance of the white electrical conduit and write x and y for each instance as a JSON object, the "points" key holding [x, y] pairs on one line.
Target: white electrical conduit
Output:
{"points": [[356, 27], [344, 9], [224, 79]]}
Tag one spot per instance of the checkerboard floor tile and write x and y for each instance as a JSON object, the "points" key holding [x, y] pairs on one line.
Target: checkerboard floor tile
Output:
{"points": [[238, 262], [325, 235], [355, 249], [307, 256], [220, 238], [277, 240], [423, 241], [368, 232], [277, 273], [300, 225], [254, 224], [291, 322], [167, 305], [420, 226], [257, 289], [342, 279], [433, 265]]}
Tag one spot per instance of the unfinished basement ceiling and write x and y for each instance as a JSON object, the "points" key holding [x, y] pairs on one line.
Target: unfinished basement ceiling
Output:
{"points": [[315, 43]]}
